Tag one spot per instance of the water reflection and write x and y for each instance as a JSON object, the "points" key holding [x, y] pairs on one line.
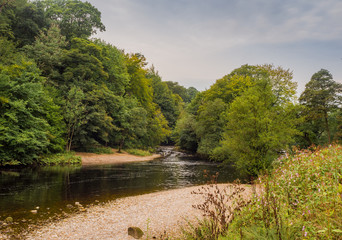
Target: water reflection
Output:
{"points": [[53, 188]]}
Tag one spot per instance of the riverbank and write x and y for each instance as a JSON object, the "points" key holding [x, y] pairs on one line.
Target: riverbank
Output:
{"points": [[154, 213], [114, 158]]}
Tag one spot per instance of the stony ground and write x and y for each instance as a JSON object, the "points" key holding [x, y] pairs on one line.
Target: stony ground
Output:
{"points": [[153, 213], [116, 158]]}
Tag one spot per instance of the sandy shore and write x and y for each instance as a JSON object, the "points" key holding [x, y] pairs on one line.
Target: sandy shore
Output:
{"points": [[115, 158], [154, 213]]}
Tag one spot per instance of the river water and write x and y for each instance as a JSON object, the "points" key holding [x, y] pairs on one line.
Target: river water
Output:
{"points": [[50, 189]]}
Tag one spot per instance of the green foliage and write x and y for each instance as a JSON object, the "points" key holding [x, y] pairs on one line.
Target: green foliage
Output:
{"points": [[185, 132], [169, 105], [25, 132], [47, 51], [99, 150], [187, 94], [67, 158], [25, 21], [320, 99], [210, 125], [258, 129], [138, 152], [298, 200], [74, 17]]}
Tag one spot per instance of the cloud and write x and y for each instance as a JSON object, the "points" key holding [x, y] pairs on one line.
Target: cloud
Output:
{"points": [[203, 40]]}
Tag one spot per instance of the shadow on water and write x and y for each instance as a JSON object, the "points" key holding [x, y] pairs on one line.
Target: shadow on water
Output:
{"points": [[50, 189]]}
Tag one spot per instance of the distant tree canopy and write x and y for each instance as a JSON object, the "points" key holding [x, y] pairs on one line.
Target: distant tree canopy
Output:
{"points": [[60, 90]]}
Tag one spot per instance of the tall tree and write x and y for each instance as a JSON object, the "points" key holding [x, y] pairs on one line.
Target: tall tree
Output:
{"points": [[258, 128], [74, 17], [321, 96]]}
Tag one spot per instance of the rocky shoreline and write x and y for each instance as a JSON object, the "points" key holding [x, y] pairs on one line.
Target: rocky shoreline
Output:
{"points": [[155, 213]]}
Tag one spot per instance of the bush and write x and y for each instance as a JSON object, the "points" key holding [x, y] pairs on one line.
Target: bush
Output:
{"points": [[138, 152], [100, 150], [66, 158]]}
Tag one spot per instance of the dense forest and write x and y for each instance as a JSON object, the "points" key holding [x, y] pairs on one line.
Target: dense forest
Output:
{"points": [[61, 90]]}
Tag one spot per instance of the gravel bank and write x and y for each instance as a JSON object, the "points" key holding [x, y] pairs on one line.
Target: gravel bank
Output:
{"points": [[157, 212], [115, 158]]}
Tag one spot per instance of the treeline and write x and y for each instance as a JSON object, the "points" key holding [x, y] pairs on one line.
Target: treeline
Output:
{"points": [[61, 90], [252, 115]]}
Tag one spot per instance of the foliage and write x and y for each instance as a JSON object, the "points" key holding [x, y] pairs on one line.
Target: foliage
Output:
{"points": [[221, 205], [185, 132], [67, 158], [99, 150], [25, 132], [321, 97], [138, 152], [247, 117], [187, 94], [74, 17], [300, 199], [258, 129], [84, 92]]}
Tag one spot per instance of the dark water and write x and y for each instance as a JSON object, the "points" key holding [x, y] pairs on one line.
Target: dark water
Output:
{"points": [[52, 188]]}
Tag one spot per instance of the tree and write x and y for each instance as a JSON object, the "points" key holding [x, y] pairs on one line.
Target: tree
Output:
{"points": [[26, 115], [210, 125], [74, 17], [74, 114], [321, 96], [48, 51], [164, 98], [258, 128], [26, 20]]}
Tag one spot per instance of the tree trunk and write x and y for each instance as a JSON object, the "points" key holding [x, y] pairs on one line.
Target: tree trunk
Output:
{"points": [[327, 126]]}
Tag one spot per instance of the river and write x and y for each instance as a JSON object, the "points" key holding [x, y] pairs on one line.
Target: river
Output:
{"points": [[49, 190]]}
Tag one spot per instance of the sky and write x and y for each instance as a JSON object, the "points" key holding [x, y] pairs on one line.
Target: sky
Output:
{"points": [[196, 42]]}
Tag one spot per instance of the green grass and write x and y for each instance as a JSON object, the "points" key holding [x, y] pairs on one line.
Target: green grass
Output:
{"points": [[138, 152], [67, 158], [100, 150]]}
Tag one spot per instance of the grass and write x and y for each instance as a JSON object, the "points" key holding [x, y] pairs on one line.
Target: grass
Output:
{"points": [[100, 150], [301, 198], [67, 158], [138, 152]]}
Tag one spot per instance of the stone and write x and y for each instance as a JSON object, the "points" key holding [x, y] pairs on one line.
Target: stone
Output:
{"points": [[9, 220], [135, 232], [34, 211]]}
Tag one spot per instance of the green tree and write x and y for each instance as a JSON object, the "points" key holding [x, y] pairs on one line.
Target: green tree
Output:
{"points": [[210, 125], [74, 17], [74, 114], [48, 51], [185, 132], [258, 128], [164, 98], [26, 20], [320, 98], [26, 113]]}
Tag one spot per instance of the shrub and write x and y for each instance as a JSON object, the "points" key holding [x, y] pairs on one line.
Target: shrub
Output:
{"points": [[66, 158], [138, 152]]}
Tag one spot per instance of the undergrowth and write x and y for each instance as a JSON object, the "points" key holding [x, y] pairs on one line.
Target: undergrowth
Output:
{"points": [[301, 198], [100, 150], [66, 158], [138, 152]]}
